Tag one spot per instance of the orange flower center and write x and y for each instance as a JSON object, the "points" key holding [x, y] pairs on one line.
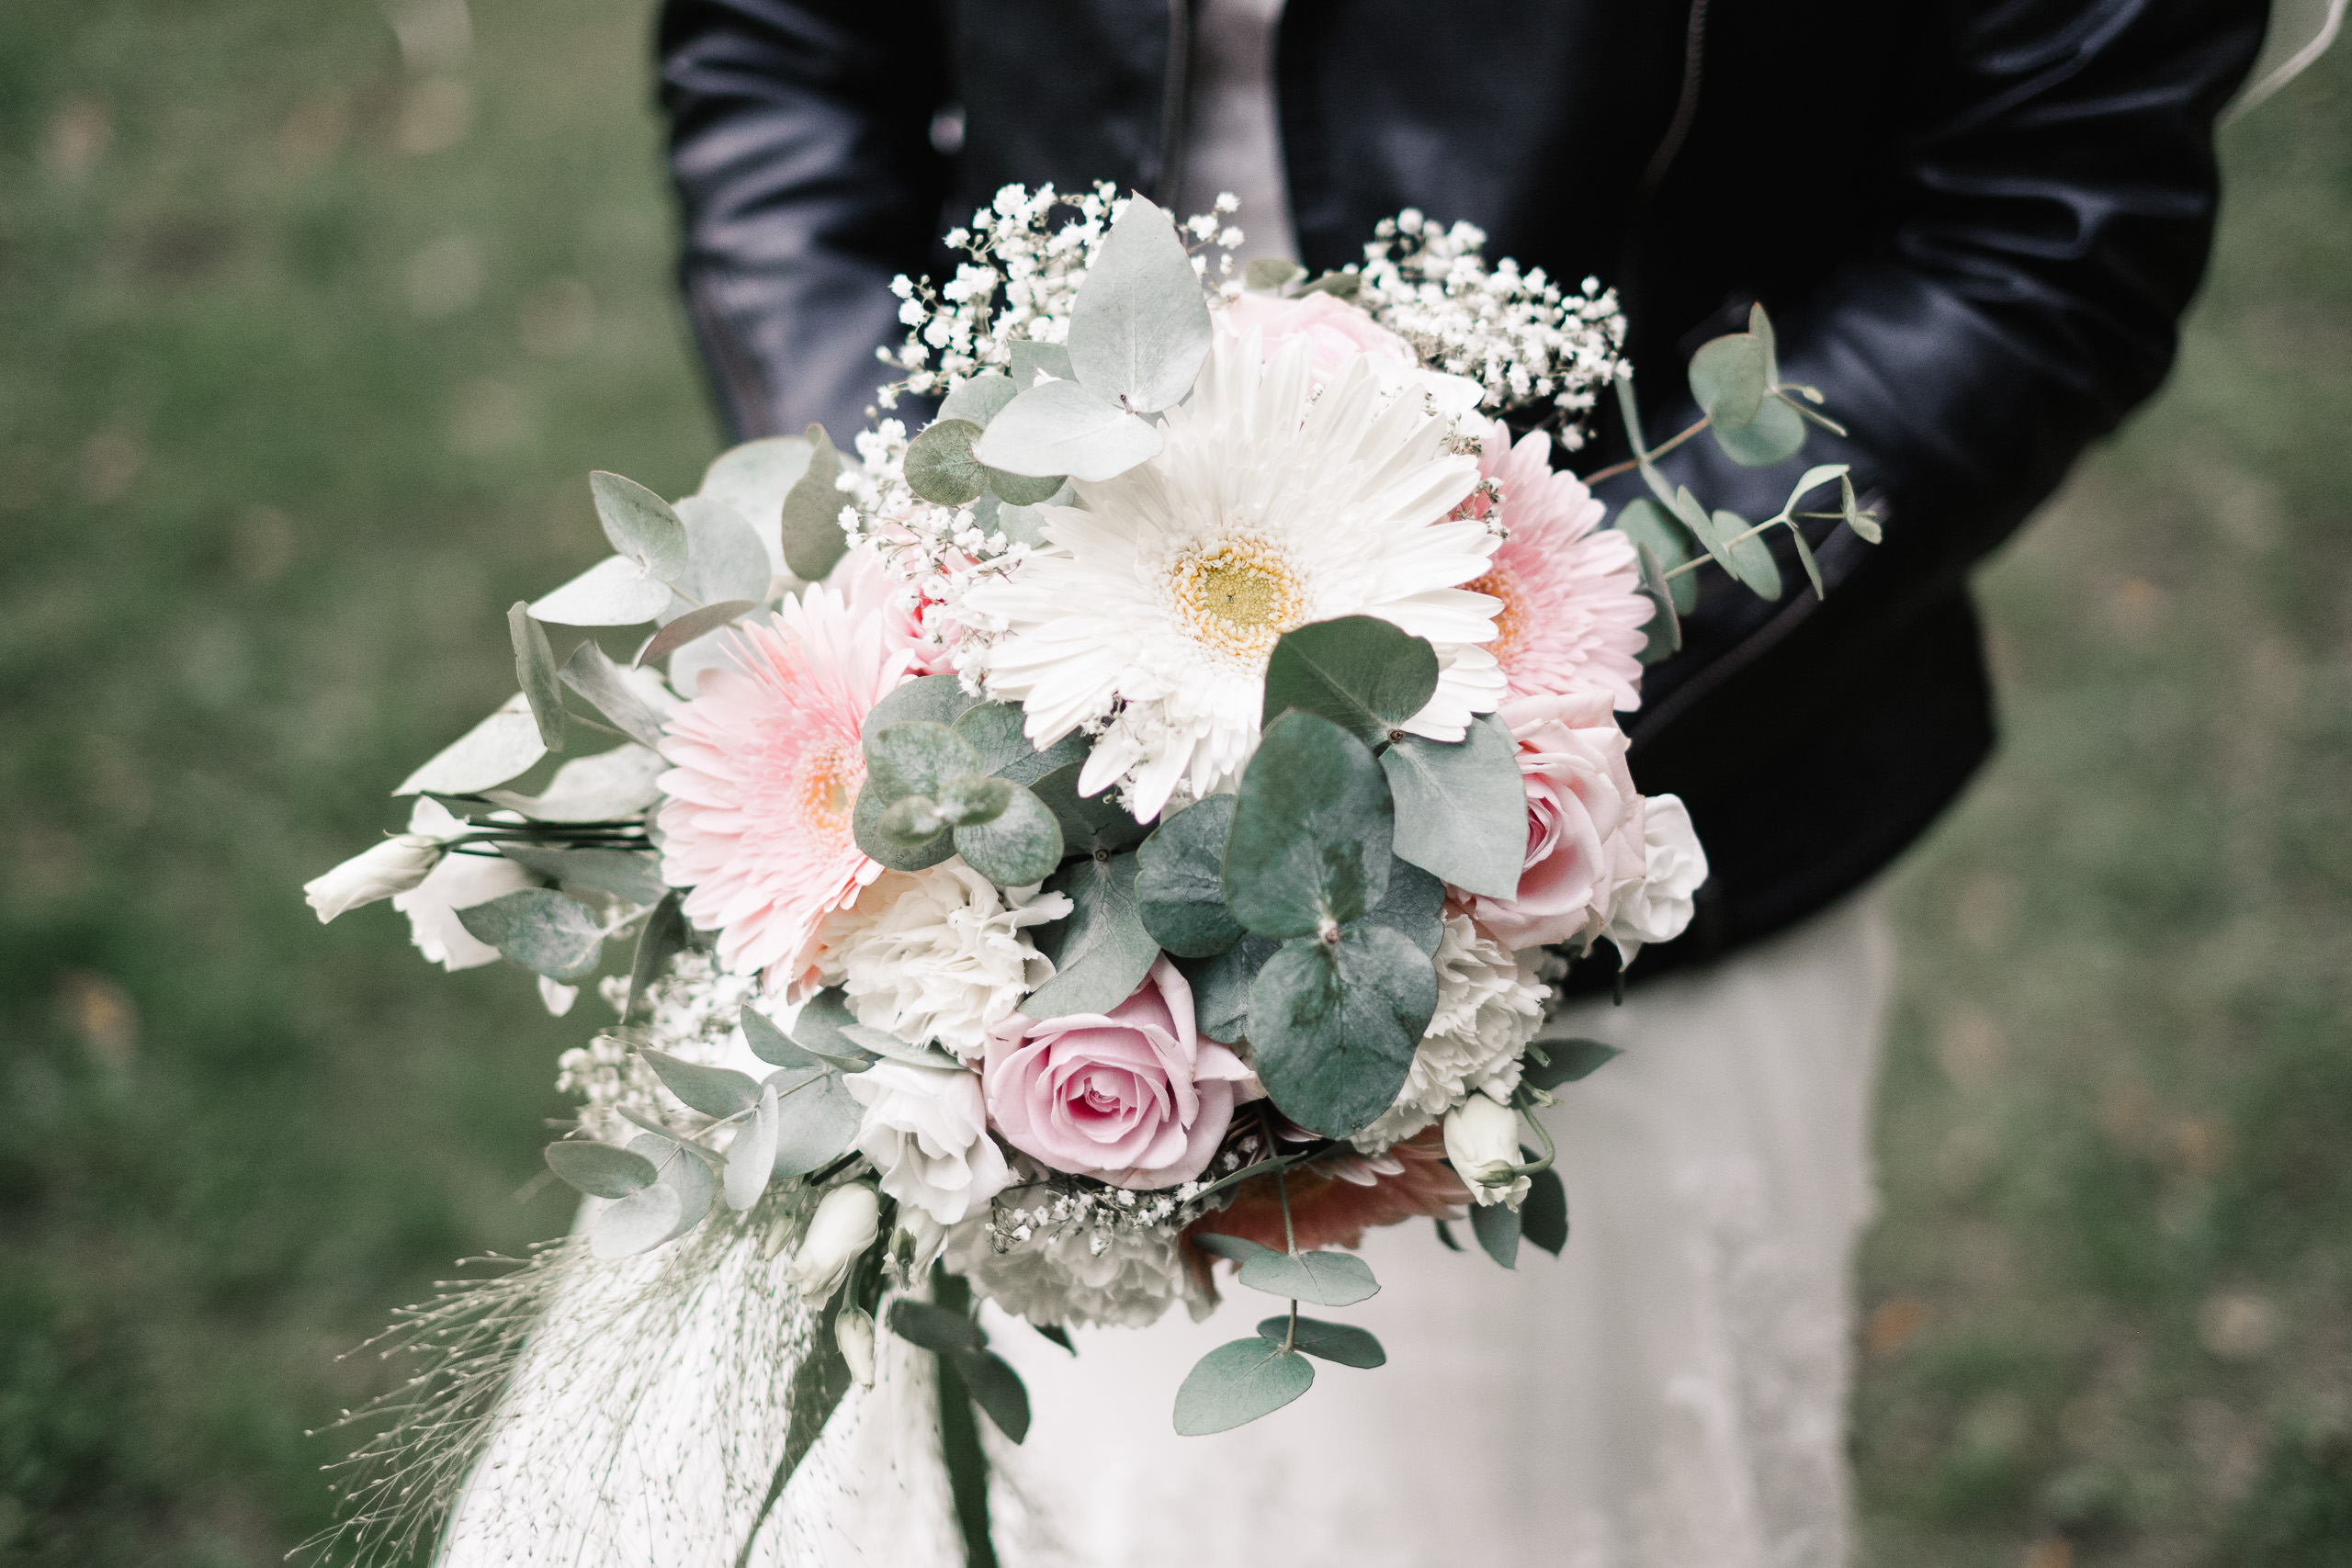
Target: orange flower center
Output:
{"points": [[1510, 621], [829, 789]]}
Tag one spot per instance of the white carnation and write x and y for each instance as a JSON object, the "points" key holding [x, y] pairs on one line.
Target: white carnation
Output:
{"points": [[926, 1130], [939, 955], [1489, 1008], [1077, 1277]]}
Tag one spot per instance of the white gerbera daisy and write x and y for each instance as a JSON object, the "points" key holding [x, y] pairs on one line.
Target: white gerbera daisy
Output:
{"points": [[1150, 613]]}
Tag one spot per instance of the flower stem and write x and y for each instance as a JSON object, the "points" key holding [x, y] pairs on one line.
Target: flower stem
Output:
{"points": [[1630, 464]]}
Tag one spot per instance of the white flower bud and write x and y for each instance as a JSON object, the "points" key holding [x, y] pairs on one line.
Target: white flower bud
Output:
{"points": [[853, 1332], [1482, 1139], [920, 1241], [843, 1228], [394, 867]]}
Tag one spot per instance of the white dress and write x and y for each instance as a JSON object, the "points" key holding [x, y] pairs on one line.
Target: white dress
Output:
{"points": [[1671, 1393]]}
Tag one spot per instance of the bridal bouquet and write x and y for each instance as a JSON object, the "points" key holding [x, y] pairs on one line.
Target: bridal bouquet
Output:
{"points": [[1126, 826]]}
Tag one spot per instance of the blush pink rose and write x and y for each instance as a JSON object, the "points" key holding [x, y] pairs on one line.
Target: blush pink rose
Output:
{"points": [[1584, 822], [1333, 329], [1133, 1097]]}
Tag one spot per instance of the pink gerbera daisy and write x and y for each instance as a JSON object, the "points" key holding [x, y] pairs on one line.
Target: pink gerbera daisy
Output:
{"points": [[1571, 591], [767, 767]]}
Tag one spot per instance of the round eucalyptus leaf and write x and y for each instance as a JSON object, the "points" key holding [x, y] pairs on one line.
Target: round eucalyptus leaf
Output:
{"points": [[1727, 378], [541, 930], [616, 591], [929, 699], [1363, 674], [641, 524], [1059, 427], [1751, 558], [1334, 1024], [1180, 881], [601, 1170], [1024, 490], [1327, 1279], [1462, 806], [1340, 1342], [996, 731], [726, 558], [753, 478], [1775, 435], [714, 1091], [940, 466], [1100, 950], [1312, 830], [978, 399], [1139, 328], [1021, 845], [1236, 1384], [912, 821], [810, 529], [817, 1121], [915, 758], [638, 1223], [535, 669], [492, 751], [973, 800], [865, 827], [750, 1158]]}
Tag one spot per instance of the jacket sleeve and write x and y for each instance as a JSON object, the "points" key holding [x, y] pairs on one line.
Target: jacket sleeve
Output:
{"points": [[799, 146], [2047, 218]]}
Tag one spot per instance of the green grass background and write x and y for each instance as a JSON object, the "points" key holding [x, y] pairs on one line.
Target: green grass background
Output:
{"points": [[307, 341]]}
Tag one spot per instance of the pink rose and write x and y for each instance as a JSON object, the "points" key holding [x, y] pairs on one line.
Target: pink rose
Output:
{"points": [[1333, 329], [1134, 1097], [1584, 822]]}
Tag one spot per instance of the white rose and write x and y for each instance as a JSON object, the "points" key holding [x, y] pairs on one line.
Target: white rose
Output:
{"points": [[1482, 1139], [926, 1130], [394, 867], [842, 1229], [1659, 907]]}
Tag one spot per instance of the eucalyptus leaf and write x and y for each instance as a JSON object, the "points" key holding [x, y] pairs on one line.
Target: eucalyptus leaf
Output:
{"points": [[601, 1170], [1029, 358], [975, 800], [1751, 558], [616, 591], [1462, 806], [1327, 1279], [627, 875], [726, 558], [1180, 881], [940, 466], [1238, 1382], [1496, 1228], [994, 731], [1338, 285], [1021, 845], [1140, 328], [661, 939], [1363, 674], [811, 518], [641, 525], [1271, 273], [978, 399], [1238, 1248], [610, 786], [996, 1388], [1728, 378], [1221, 987], [1862, 523], [1775, 435], [823, 1026], [492, 751], [541, 930], [693, 624], [1340, 1342], [927, 699], [715, 1091], [1759, 326], [750, 1158], [942, 1330], [1565, 1062], [1414, 904], [772, 1045], [592, 672], [751, 479], [816, 1123], [871, 827], [638, 1223], [1543, 1213], [1644, 522], [1804, 559], [1091, 824], [1665, 636], [917, 758], [1334, 1024], [1312, 828], [1100, 951], [535, 669], [1059, 427], [1021, 492]]}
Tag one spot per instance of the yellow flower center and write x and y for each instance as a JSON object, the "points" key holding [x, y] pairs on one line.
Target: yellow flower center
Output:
{"points": [[1237, 597], [1510, 621], [828, 788]]}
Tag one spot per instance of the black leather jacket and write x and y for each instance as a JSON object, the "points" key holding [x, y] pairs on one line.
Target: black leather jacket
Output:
{"points": [[1976, 223]]}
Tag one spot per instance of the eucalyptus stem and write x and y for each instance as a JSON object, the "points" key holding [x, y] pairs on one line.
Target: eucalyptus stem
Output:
{"points": [[1737, 539], [1660, 450]]}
